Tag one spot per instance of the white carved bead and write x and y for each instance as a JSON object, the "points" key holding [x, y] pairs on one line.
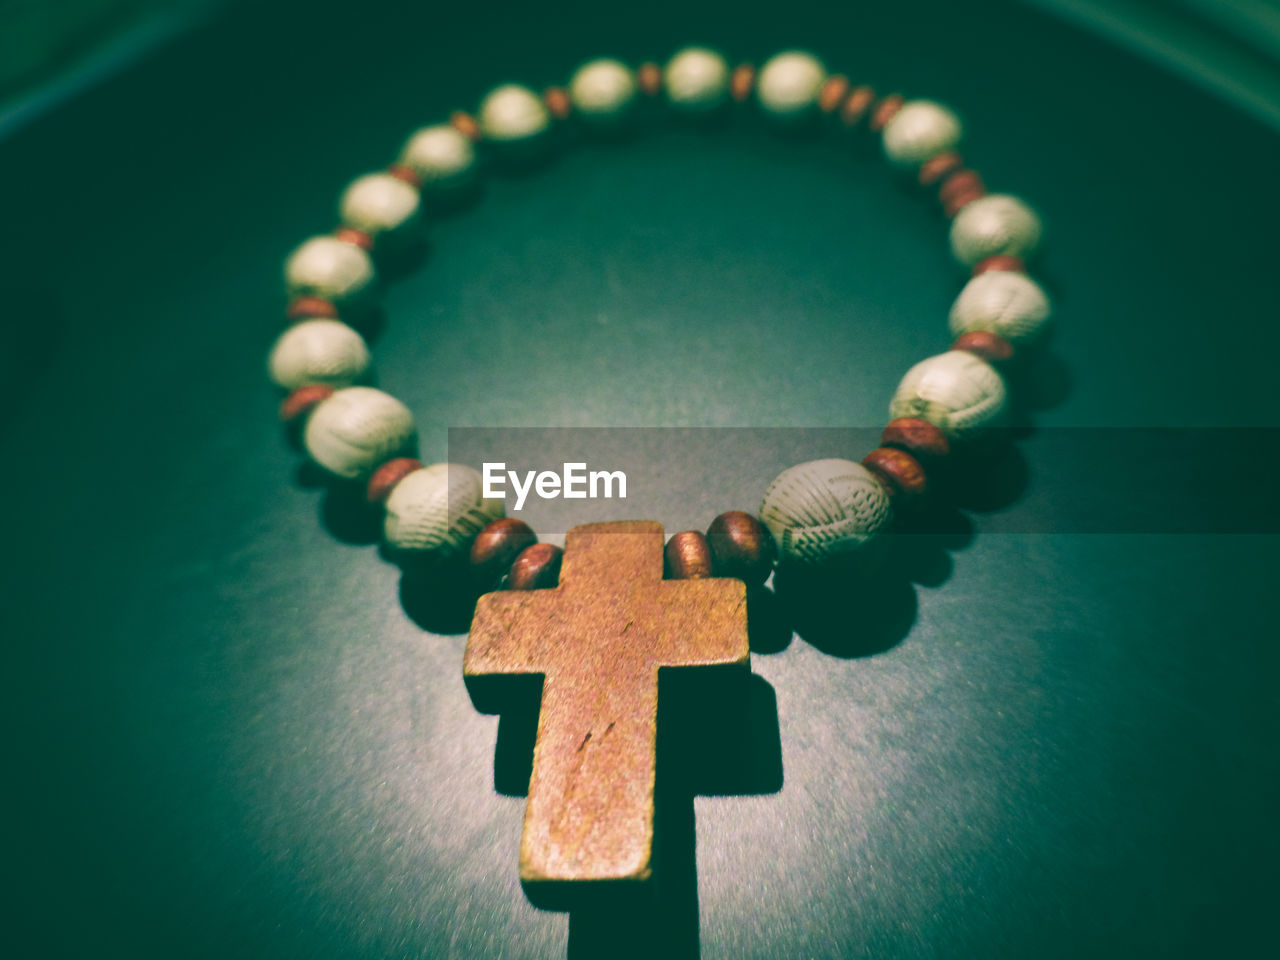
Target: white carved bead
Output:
{"points": [[512, 112], [921, 129], [1004, 302], [438, 509], [696, 80], [379, 203], [318, 351], [957, 392], [824, 508], [353, 431], [328, 268], [602, 89], [994, 224], [789, 82], [440, 155]]}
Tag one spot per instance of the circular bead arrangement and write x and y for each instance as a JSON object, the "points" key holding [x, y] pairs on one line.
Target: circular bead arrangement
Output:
{"points": [[812, 511]]}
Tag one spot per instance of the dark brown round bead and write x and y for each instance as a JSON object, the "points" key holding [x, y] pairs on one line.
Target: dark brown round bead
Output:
{"points": [[918, 437], [885, 111], [303, 400], [856, 105], [496, 547], [465, 124], [406, 173], [310, 308], [649, 79], [833, 93], [900, 472], [999, 261], [687, 556], [938, 166], [354, 237], [989, 346], [957, 203], [536, 568], [387, 476], [960, 188], [557, 101], [741, 82], [741, 547]]}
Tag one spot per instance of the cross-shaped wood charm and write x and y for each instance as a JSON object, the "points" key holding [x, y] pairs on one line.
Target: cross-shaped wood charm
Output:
{"points": [[599, 639]]}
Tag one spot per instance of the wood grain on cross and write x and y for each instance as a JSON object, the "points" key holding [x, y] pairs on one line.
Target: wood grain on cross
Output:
{"points": [[599, 639]]}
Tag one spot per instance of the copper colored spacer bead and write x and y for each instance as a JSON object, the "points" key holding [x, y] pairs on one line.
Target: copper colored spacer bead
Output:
{"points": [[833, 93], [536, 568], [956, 204], [387, 476], [938, 166], [1000, 261], [496, 547], [649, 79], [917, 436], [687, 556], [741, 82], [741, 547], [465, 124], [989, 346], [900, 472], [856, 105], [406, 173], [884, 111], [960, 182], [355, 237], [310, 308], [303, 400], [557, 101]]}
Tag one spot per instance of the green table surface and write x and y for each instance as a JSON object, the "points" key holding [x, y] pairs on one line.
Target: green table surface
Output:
{"points": [[233, 731]]}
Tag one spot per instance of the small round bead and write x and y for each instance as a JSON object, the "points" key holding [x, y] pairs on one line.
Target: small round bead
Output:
{"points": [[438, 510], [385, 478], [536, 568], [919, 131], [603, 90], [1003, 302], [300, 402], [379, 204], [918, 437], [741, 547], [856, 105], [687, 556], [466, 125], [513, 113], [1000, 262], [649, 78], [306, 308], [952, 207], [357, 238], [696, 80], [557, 101], [824, 508], [741, 82], [833, 93], [900, 472], [356, 429], [958, 182], [956, 391], [991, 347], [327, 268], [407, 174], [998, 223], [318, 351], [442, 156], [496, 547], [884, 111], [789, 84], [938, 166]]}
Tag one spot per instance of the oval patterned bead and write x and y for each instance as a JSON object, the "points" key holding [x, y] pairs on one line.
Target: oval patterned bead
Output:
{"points": [[822, 509]]}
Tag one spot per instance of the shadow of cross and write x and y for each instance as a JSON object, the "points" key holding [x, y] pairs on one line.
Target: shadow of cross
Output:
{"points": [[599, 639]]}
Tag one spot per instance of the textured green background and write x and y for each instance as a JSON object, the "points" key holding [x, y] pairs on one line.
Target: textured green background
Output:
{"points": [[230, 736]]}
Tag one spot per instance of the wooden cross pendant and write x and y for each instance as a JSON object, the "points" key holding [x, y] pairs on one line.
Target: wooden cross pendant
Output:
{"points": [[598, 639]]}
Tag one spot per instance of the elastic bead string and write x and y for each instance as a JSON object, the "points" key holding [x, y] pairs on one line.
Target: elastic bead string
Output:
{"points": [[812, 511]]}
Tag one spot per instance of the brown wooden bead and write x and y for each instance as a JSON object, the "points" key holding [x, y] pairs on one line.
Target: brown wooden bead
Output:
{"points": [[938, 166], [387, 476], [917, 436], [741, 547], [741, 82], [649, 79], [557, 101], [496, 547], [884, 111], [687, 556], [355, 237], [957, 203], [989, 346], [857, 105], [535, 568], [960, 181], [303, 400], [310, 308], [406, 173], [1000, 261], [465, 124], [833, 93], [900, 473]]}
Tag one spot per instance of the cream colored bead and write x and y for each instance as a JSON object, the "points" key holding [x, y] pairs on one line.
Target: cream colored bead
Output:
{"points": [[789, 82], [328, 268], [379, 204], [438, 509], [957, 392], [511, 113], [1005, 302], [696, 80], [994, 224], [318, 351], [353, 431], [602, 90], [441, 156], [824, 508], [921, 129]]}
